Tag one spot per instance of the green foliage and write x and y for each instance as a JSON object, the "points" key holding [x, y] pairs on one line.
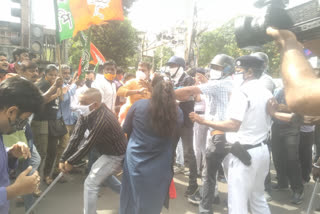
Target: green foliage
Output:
{"points": [[116, 40], [167, 52], [222, 40]]}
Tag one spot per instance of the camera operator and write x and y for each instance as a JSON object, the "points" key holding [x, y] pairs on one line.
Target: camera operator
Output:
{"points": [[302, 87]]}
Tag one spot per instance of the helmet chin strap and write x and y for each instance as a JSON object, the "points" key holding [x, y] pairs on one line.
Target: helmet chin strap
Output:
{"points": [[174, 75]]}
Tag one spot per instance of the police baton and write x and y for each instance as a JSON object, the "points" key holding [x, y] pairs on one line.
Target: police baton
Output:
{"points": [[44, 193], [313, 196]]}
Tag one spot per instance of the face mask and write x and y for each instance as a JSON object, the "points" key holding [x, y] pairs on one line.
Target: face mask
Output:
{"points": [[173, 71], [84, 110], [215, 74], [17, 125], [238, 78], [140, 75], [110, 76]]}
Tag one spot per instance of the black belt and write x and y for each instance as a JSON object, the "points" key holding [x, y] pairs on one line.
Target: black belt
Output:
{"points": [[199, 112], [248, 146]]}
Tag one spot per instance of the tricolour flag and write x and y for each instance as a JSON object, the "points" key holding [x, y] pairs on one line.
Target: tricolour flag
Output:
{"points": [[73, 16]]}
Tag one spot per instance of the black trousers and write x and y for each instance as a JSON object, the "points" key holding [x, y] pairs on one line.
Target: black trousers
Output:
{"points": [[317, 142], [186, 134], [305, 154], [285, 152], [215, 153]]}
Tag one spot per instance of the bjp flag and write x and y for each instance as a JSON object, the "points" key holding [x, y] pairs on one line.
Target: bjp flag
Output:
{"points": [[73, 16]]}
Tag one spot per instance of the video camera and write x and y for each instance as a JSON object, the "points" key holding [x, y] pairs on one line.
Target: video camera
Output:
{"points": [[303, 20]]}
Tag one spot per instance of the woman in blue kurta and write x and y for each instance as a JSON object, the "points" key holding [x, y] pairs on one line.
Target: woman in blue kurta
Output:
{"points": [[147, 169]]}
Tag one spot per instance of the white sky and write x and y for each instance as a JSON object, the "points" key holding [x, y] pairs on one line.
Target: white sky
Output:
{"points": [[153, 15]]}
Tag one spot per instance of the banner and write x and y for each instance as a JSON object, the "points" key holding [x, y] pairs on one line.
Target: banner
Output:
{"points": [[73, 16]]}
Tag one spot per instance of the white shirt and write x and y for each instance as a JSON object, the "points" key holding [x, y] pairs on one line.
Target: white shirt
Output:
{"points": [[267, 82], [248, 105], [107, 89]]}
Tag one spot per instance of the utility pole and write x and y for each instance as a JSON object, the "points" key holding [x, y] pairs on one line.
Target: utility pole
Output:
{"points": [[190, 31], [25, 23]]}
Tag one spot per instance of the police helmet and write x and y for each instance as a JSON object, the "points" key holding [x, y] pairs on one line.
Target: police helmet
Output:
{"points": [[177, 60], [226, 62], [264, 57]]}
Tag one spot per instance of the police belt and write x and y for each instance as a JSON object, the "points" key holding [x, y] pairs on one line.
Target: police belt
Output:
{"points": [[248, 146], [216, 132]]}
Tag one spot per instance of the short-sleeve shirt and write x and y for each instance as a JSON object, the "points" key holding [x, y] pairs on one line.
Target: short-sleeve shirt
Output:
{"points": [[248, 105]]}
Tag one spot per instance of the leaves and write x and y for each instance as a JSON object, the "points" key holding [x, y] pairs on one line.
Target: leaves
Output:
{"points": [[116, 40]]}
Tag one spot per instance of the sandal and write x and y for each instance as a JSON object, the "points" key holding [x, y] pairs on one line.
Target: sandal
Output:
{"points": [[48, 180]]}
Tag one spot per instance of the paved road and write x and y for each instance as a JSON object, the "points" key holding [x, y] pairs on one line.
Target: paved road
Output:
{"points": [[66, 198]]}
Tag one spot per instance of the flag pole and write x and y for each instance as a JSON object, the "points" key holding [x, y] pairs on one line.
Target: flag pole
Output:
{"points": [[58, 42]]}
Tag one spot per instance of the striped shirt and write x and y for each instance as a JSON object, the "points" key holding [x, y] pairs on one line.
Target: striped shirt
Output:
{"points": [[102, 130]]}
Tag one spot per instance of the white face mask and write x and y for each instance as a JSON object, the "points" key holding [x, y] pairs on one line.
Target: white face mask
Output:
{"points": [[215, 74], [173, 71], [140, 75], [84, 110], [238, 78]]}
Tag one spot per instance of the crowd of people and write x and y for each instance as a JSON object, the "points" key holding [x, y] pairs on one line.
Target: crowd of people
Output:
{"points": [[226, 121]]}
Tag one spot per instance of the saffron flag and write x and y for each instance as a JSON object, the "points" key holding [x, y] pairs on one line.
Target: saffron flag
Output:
{"points": [[73, 16], [97, 56]]}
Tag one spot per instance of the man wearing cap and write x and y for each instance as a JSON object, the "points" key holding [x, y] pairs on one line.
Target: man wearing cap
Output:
{"points": [[247, 130], [181, 79], [216, 94]]}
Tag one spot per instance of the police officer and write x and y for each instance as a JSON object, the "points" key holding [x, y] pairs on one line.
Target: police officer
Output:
{"points": [[180, 79], [247, 129]]}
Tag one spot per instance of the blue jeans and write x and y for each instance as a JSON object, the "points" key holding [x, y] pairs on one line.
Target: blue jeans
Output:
{"points": [[102, 168], [111, 181]]}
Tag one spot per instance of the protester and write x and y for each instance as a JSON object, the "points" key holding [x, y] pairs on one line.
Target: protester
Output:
{"points": [[285, 148], [216, 93], [147, 173], [247, 130], [44, 139], [101, 129], [4, 66], [19, 54], [19, 99], [65, 112], [178, 76], [119, 82], [104, 83], [136, 89]]}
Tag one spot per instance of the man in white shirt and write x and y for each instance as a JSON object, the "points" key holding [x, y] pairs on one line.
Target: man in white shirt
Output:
{"points": [[248, 126], [104, 83]]}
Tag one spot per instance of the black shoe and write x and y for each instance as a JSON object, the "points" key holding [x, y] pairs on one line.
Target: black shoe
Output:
{"points": [[297, 198], [216, 200], [191, 190], [278, 187], [195, 198]]}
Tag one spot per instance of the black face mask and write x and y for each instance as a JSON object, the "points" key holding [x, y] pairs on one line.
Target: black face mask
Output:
{"points": [[88, 83], [17, 125]]}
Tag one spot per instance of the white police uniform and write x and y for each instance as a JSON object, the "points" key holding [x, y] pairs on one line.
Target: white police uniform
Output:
{"points": [[246, 183]]}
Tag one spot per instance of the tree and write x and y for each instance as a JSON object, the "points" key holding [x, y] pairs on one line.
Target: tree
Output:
{"points": [[222, 40], [167, 52], [116, 40]]}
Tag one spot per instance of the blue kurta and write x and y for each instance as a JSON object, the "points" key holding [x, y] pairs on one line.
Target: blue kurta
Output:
{"points": [[147, 169]]}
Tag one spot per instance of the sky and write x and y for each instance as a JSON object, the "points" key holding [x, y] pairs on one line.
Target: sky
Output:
{"points": [[153, 15]]}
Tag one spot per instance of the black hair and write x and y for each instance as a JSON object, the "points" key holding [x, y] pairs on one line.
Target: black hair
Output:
{"points": [[119, 70], [18, 51], [128, 76], [164, 109], [22, 93], [3, 54], [110, 62], [50, 67], [27, 64], [32, 55], [145, 64]]}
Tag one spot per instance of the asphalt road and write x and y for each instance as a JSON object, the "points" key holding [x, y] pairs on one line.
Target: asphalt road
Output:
{"points": [[67, 198]]}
